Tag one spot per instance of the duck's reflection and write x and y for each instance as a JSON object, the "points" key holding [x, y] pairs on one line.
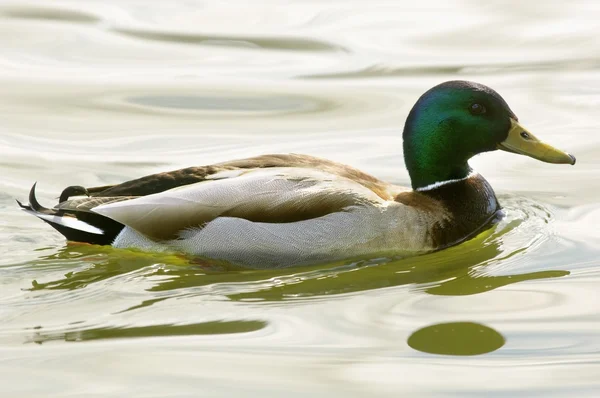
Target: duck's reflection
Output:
{"points": [[448, 272], [455, 271]]}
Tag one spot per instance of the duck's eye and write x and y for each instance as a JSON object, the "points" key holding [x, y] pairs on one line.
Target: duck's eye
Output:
{"points": [[477, 109]]}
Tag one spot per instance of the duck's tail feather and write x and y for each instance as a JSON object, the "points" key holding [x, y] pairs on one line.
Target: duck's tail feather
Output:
{"points": [[78, 226]]}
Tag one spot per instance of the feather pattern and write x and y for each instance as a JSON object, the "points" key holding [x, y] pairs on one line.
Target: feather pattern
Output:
{"points": [[273, 195], [87, 204]]}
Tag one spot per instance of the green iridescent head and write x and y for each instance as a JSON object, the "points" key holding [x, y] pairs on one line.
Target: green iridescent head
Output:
{"points": [[456, 120]]}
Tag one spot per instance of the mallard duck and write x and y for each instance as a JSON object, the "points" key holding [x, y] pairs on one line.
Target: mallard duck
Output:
{"points": [[285, 210]]}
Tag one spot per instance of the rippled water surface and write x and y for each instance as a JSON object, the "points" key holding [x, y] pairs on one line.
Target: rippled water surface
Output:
{"points": [[97, 92]]}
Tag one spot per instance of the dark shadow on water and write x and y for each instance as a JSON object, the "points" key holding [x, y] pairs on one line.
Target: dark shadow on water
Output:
{"points": [[456, 338], [206, 328]]}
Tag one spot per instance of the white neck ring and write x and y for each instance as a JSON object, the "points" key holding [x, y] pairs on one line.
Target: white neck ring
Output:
{"points": [[442, 183]]}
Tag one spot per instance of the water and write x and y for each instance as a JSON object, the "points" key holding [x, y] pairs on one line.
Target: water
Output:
{"points": [[99, 92]]}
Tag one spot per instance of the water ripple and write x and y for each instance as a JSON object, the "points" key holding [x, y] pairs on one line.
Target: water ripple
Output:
{"points": [[49, 14], [383, 71], [259, 104], [246, 42]]}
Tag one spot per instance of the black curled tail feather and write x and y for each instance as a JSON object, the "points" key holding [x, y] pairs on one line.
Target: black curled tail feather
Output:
{"points": [[78, 226], [34, 204]]}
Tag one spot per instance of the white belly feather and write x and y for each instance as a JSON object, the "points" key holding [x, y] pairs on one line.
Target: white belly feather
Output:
{"points": [[338, 235]]}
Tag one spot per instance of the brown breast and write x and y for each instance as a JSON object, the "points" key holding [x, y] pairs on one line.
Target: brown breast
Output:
{"points": [[460, 209]]}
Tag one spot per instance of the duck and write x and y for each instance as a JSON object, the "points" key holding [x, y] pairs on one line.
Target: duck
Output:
{"points": [[283, 210]]}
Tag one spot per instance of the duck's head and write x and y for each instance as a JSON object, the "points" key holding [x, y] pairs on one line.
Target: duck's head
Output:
{"points": [[456, 120]]}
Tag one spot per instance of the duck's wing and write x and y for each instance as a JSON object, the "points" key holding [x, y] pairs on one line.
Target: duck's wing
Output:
{"points": [[271, 195], [269, 188], [161, 182]]}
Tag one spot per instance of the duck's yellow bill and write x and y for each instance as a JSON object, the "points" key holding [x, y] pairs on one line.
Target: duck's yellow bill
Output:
{"points": [[521, 141]]}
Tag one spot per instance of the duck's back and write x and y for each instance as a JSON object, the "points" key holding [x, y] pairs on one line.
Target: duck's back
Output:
{"points": [[160, 182]]}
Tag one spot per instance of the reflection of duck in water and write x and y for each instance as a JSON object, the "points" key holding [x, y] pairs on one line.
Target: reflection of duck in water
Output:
{"points": [[278, 210]]}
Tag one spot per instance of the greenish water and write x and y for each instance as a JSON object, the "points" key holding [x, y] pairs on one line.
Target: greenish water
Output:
{"points": [[100, 92]]}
